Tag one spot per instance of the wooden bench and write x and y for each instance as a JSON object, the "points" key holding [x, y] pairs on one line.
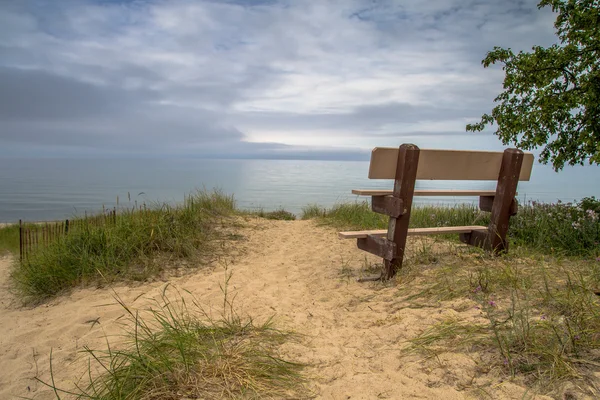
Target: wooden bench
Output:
{"points": [[409, 163]]}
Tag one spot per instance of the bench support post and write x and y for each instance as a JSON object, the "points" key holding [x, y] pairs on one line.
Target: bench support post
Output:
{"points": [[388, 205], [378, 246], [502, 207], [506, 189], [404, 188], [487, 202]]}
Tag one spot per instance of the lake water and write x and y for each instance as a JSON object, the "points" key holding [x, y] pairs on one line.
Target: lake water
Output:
{"points": [[48, 189]]}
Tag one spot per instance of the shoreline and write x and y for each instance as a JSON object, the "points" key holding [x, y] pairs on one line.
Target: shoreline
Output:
{"points": [[455, 203]]}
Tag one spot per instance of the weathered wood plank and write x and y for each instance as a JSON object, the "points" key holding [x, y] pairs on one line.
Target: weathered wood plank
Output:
{"points": [[388, 205], [414, 231], [486, 203], [377, 245], [450, 192], [447, 164], [476, 238]]}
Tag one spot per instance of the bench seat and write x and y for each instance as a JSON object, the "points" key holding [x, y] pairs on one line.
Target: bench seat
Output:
{"points": [[414, 231]]}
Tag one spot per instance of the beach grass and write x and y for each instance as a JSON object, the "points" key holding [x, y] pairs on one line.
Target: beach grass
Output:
{"points": [[569, 229], [538, 307], [136, 244], [538, 316], [177, 350], [279, 214], [215, 202], [9, 239], [356, 216]]}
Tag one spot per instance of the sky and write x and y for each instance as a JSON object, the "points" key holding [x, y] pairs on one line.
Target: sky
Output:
{"points": [[325, 79]]}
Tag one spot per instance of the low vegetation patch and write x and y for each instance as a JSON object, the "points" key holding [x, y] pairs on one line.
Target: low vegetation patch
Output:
{"points": [[359, 216], [568, 229], [538, 318], [346, 216], [9, 239], [532, 314], [135, 244], [559, 228], [280, 214], [174, 352]]}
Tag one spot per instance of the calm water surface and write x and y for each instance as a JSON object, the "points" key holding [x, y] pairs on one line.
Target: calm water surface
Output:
{"points": [[46, 189]]}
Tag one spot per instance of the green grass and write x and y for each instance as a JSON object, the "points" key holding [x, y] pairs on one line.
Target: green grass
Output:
{"points": [[539, 316], [347, 216], [453, 332], [561, 229], [359, 216], [539, 304], [213, 202], [178, 351], [9, 239], [279, 214], [137, 245]]}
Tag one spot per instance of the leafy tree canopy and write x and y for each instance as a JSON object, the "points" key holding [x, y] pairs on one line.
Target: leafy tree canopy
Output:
{"points": [[551, 95]]}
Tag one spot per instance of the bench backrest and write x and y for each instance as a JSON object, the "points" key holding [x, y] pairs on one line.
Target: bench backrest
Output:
{"points": [[446, 164]]}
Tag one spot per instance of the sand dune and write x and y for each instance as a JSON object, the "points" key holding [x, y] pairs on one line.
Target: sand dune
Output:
{"points": [[353, 331]]}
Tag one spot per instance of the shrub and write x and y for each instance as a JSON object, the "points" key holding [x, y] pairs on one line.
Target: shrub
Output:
{"points": [[562, 228]]}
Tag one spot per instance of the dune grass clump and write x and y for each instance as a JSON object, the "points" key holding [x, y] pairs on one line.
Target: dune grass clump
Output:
{"points": [[539, 317], [346, 216], [134, 245], [279, 214], [423, 216], [212, 202], [560, 228], [538, 305], [551, 338], [359, 216], [9, 239], [175, 351], [313, 211]]}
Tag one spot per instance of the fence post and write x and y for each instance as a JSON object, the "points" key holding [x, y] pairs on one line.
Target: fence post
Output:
{"points": [[29, 242], [20, 240], [66, 226]]}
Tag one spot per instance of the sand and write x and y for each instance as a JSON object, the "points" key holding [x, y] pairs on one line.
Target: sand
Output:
{"points": [[293, 270]]}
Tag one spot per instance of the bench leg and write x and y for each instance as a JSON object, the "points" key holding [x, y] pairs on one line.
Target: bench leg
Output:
{"points": [[502, 206], [404, 188]]}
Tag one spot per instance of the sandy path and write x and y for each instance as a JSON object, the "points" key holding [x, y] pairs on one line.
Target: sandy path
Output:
{"points": [[354, 331]]}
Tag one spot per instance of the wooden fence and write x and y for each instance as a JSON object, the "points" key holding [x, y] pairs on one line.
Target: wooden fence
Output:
{"points": [[33, 236]]}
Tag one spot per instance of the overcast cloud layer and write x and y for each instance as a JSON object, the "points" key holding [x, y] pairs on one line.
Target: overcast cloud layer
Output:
{"points": [[325, 79]]}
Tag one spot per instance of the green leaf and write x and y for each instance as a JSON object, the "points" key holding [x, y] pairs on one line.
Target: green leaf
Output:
{"points": [[551, 96]]}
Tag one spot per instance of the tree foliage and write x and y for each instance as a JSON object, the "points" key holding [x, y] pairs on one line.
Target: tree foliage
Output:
{"points": [[551, 95]]}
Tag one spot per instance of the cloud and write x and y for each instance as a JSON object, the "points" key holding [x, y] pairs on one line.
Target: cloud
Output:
{"points": [[251, 78]]}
